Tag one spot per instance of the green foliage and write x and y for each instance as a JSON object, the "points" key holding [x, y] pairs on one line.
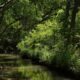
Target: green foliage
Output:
{"points": [[42, 29], [75, 61], [40, 40]]}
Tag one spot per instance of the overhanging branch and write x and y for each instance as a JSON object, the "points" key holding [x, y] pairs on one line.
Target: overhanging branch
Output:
{"points": [[5, 6]]}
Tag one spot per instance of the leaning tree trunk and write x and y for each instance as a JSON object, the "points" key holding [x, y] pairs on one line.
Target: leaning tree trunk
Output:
{"points": [[73, 22], [65, 29], [69, 31], [69, 27], [66, 23]]}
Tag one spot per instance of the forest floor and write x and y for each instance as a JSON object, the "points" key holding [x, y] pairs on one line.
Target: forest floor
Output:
{"points": [[12, 68]]}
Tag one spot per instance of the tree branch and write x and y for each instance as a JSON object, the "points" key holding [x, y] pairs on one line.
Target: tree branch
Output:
{"points": [[5, 6]]}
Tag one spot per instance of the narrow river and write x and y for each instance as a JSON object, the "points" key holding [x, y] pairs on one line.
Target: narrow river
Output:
{"points": [[13, 68]]}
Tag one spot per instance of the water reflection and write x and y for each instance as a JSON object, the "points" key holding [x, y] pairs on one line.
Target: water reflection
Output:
{"points": [[11, 68]]}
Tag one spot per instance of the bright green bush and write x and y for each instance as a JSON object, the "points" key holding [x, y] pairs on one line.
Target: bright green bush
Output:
{"points": [[41, 41]]}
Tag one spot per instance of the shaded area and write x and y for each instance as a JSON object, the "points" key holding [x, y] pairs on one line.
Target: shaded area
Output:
{"points": [[12, 67]]}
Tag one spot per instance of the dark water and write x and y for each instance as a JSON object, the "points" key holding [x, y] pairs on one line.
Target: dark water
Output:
{"points": [[11, 68]]}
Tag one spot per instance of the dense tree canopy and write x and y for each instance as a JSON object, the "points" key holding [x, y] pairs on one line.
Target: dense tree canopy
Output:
{"points": [[46, 29]]}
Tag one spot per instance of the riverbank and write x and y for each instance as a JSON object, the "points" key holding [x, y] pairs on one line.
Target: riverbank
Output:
{"points": [[13, 67], [61, 71]]}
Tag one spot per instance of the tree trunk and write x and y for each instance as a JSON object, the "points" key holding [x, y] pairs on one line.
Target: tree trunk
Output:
{"points": [[73, 22]]}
